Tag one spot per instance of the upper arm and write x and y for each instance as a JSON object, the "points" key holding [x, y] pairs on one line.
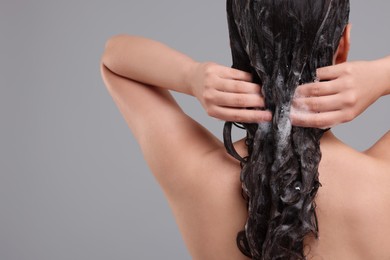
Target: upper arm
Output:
{"points": [[170, 140]]}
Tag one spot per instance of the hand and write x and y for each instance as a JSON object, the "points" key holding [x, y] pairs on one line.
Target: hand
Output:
{"points": [[225, 93], [345, 91]]}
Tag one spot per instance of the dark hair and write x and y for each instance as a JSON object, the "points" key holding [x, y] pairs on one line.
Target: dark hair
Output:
{"points": [[282, 43]]}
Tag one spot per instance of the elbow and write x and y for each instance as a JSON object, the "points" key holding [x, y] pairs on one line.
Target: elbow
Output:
{"points": [[111, 48], [110, 60], [115, 39], [107, 59], [115, 57]]}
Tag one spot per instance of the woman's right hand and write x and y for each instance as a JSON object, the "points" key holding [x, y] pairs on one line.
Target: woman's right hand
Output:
{"points": [[226, 93]]}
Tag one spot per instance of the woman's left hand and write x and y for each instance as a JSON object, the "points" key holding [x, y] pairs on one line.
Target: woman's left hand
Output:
{"points": [[344, 92]]}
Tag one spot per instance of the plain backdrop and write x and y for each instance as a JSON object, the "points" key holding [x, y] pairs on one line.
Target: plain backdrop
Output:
{"points": [[73, 183]]}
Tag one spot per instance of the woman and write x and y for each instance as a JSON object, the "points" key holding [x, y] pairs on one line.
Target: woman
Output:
{"points": [[201, 181]]}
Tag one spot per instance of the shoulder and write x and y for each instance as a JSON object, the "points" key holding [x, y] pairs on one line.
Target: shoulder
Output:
{"points": [[381, 149]]}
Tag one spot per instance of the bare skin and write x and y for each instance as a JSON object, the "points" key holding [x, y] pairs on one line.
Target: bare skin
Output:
{"points": [[353, 202], [201, 181]]}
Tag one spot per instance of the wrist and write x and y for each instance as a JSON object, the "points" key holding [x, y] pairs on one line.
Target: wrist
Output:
{"points": [[385, 67], [379, 72], [188, 76]]}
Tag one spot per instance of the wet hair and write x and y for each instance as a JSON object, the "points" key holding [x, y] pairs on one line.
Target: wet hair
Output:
{"points": [[282, 43]]}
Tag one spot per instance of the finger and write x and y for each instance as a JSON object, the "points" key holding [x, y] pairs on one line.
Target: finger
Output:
{"points": [[330, 72], [319, 104], [241, 115], [316, 120], [316, 89], [230, 73], [238, 100], [235, 86]]}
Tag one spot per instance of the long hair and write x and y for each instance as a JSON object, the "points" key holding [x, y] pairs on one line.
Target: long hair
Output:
{"points": [[282, 43]]}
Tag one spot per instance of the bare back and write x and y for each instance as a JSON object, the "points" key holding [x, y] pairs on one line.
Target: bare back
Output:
{"points": [[353, 203], [201, 181]]}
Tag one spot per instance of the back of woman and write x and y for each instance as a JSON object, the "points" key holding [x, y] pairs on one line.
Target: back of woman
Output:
{"points": [[353, 203], [301, 192]]}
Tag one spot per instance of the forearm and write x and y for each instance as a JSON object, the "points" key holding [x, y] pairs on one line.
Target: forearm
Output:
{"points": [[149, 62]]}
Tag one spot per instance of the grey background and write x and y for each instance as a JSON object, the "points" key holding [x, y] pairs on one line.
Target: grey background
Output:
{"points": [[73, 183]]}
